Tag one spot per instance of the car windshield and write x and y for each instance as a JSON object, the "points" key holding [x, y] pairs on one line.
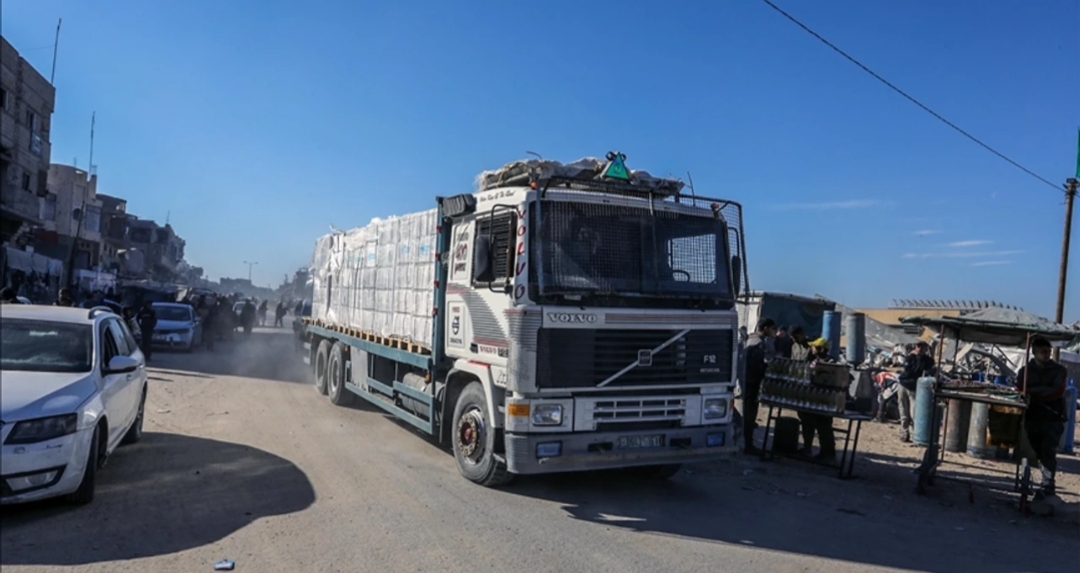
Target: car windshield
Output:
{"points": [[43, 346], [177, 313], [590, 249]]}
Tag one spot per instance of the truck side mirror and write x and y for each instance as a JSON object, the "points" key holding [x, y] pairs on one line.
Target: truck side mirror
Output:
{"points": [[483, 271], [736, 275]]}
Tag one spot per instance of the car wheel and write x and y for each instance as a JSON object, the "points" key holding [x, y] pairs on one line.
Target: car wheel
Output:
{"points": [[134, 433], [85, 493]]}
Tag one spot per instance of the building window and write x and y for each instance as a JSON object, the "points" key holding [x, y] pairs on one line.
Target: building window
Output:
{"points": [[31, 120], [48, 207], [140, 235], [3, 99], [93, 219], [26, 181]]}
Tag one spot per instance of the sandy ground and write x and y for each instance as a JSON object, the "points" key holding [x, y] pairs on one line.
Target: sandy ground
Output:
{"points": [[242, 459]]}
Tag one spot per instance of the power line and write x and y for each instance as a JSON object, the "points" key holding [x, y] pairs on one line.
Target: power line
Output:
{"points": [[908, 97]]}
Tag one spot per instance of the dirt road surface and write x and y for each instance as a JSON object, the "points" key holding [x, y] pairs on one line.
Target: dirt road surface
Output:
{"points": [[243, 460]]}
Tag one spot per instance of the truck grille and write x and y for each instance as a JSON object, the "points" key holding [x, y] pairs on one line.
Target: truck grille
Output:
{"points": [[579, 358]]}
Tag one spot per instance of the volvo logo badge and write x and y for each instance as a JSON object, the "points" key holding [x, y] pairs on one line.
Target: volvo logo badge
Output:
{"points": [[571, 317], [644, 357]]}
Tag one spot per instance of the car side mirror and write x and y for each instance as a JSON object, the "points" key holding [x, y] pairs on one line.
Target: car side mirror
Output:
{"points": [[121, 365], [482, 261]]}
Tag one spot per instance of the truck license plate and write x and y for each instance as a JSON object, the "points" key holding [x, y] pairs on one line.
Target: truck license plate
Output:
{"points": [[641, 441]]}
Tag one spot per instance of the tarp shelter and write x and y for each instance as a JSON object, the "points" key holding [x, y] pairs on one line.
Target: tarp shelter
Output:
{"points": [[1002, 327]]}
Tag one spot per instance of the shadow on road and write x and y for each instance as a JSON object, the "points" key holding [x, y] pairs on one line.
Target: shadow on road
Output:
{"points": [[266, 353], [779, 506], [167, 493]]}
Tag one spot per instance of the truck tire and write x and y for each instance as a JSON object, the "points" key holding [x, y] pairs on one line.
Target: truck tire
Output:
{"points": [[335, 377], [473, 440], [322, 358]]}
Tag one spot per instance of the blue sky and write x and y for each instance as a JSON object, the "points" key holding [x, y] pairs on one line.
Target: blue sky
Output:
{"points": [[257, 125]]}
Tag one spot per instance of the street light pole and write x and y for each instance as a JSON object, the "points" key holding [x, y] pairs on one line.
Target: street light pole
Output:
{"points": [[250, 265]]}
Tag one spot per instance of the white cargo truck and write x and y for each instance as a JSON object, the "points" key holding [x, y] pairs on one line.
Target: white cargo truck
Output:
{"points": [[561, 317]]}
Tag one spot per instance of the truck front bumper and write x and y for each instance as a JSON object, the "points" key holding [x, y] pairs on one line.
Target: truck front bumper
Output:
{"points": [[531, 453]]}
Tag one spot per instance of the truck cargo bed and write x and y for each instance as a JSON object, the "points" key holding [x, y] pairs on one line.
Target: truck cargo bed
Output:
{"points": [[378, 281]]}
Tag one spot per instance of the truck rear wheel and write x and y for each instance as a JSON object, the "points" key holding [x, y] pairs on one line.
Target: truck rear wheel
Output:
{"points": [[473, 440], [335, 376], [322, 358]]}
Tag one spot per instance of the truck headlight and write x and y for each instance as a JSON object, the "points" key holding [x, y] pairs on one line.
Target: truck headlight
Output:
{"points": [[42, 429], [547, 414], [714, 408]]}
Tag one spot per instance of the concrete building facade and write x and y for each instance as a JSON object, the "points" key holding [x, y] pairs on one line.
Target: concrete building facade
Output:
{"points": [[27, 100], [71, 217], [114, 219]]}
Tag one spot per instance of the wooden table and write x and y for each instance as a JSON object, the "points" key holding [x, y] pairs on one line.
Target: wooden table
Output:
{"points": [[847, 455]]}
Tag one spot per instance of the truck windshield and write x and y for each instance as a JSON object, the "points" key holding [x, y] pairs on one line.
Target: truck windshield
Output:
{"points": [[627, 251]]}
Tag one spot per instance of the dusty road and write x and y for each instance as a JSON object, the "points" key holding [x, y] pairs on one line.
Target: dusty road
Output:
{"points": [[244, 460]]}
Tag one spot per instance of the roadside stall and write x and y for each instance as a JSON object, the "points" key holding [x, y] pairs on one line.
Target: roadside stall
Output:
{"points": [[818, 389], [1005, 405]]}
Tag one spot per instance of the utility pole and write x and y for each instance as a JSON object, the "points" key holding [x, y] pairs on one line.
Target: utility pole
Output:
{"points": [[56, 46], [1070, 196], [81, 210], [250, 264]]}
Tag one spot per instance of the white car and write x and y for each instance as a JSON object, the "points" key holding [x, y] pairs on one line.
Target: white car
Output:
{"points": [[74, 389], [177, 326]]}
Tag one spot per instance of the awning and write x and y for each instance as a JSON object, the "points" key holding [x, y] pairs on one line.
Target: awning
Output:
{"points": [[993, 332]]}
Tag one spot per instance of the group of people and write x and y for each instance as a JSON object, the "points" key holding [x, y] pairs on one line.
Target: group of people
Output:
{"points": [[1042, 380], [279, 313], [766, 342]]}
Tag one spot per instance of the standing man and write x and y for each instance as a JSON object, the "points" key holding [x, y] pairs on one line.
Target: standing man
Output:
{"points": [[147, 321], [784, 342], [759, 351], [800, 346], [1043, 381], [917, 364], [279, 314], [820, 424], [63, 298]]}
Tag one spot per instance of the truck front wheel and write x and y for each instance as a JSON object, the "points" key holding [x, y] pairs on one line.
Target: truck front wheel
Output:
{"points": [[474, 440]]}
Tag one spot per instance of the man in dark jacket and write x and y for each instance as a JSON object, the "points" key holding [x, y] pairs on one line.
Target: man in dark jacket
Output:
{"points": [[64, 298], [759, 350], [918, 363], [784, 342], [1043, 381], [147, 321]]}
